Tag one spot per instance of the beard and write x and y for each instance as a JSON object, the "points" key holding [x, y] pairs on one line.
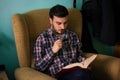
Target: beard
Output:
{"points": [[62, 31]]}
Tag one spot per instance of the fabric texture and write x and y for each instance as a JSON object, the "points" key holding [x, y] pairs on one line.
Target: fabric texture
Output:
{"points": [[44, 57], [87, 44], [77, 74], [105, 20]]}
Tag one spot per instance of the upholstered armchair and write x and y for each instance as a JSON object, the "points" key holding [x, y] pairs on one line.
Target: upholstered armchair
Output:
{"points": [[29, 25]]}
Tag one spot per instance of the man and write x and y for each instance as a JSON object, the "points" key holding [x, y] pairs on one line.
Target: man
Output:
{"points": [[57, 47]]}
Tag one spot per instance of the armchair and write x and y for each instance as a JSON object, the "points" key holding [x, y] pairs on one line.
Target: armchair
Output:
{"points": [[29, 25]]}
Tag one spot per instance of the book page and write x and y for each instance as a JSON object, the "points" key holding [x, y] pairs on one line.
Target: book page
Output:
{"points": [[83, 64]]}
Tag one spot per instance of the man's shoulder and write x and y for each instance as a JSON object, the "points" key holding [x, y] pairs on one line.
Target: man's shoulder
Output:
{"points": [[43, 34], [71, 32]]}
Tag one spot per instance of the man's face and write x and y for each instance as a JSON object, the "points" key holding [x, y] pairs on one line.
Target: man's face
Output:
{"points": [[59, 24]]}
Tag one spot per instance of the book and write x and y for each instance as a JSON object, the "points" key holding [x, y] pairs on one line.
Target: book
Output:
{"points": [[83, 65]]}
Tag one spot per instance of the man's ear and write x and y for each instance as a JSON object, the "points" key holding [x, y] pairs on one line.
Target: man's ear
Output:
{"points": [[50, 19]]}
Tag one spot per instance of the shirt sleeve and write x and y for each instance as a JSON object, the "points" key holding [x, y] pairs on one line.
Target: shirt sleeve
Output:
{"points": [[42, 56]]}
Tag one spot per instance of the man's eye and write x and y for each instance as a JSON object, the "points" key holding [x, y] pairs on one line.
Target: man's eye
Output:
{"points": [[58, 23]]}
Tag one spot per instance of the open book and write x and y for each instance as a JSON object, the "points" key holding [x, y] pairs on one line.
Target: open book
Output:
{"points": [[84, 65]]}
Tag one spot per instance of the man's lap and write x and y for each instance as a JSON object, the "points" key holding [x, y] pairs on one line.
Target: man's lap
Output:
{"points": [[77, 74]]}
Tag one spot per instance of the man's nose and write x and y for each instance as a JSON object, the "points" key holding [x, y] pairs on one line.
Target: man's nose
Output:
{"points": [[62, 26]]}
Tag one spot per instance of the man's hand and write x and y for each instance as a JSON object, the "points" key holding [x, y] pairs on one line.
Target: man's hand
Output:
{"points": [[57, 46]]}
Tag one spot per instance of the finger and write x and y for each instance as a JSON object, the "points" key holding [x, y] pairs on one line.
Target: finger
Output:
{"points": [[59, 45], [83, 59], [59, 42]]}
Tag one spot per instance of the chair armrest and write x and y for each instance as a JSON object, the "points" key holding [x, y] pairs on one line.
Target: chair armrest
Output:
{"points": [[106, 66], [26, 73]]}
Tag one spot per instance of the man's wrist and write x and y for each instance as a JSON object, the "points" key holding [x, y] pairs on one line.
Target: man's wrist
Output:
{"points": [[53, 50]]}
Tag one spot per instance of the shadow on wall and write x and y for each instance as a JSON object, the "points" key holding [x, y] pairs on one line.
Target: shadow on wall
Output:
{"points": [[8, 55]]}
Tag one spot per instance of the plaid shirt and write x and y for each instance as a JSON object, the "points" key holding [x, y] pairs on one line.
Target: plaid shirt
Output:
{"points": [[47, 61]]}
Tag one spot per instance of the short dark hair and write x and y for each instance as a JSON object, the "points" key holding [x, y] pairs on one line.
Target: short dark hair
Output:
{"points": [[59, 11]]}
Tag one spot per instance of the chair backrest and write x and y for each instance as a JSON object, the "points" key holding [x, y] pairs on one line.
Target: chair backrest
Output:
{"points": [[29, 25]]}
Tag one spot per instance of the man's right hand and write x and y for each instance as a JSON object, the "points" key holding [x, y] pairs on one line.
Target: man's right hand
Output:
{"points": [[57, 46]]}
